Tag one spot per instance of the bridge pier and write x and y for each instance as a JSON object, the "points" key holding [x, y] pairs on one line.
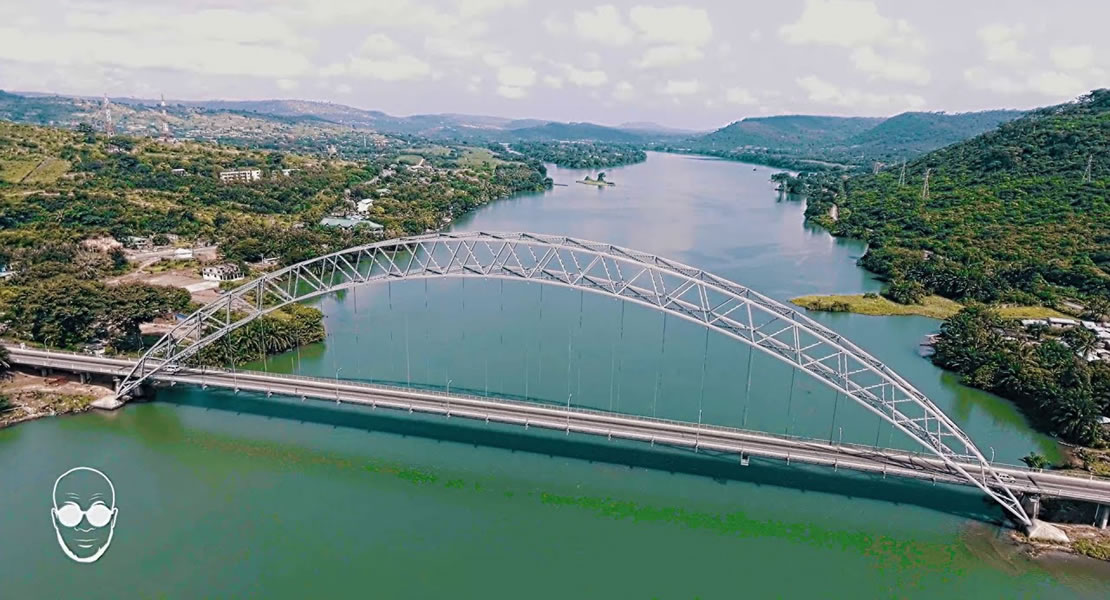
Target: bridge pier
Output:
{"points": [[1032, 505], [1102, 515]]}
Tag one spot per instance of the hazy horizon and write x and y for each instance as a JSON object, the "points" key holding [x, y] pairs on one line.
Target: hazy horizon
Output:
{"points": [[690, 65]]}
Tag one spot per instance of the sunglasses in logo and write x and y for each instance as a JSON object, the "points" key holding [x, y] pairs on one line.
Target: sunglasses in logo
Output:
{"points": [[69, 515]]}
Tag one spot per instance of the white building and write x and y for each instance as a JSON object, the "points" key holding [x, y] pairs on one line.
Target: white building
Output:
{"points": [[241, 175], [364, 205], [224, 272]]}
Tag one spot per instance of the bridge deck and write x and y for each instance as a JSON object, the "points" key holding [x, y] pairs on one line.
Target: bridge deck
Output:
{"points": [[867, 459]]}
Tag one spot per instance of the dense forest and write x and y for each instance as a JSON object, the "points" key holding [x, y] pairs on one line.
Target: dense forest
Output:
{"points": [[1062, 393], [581, 155], [1020, 214], [817, 143]]}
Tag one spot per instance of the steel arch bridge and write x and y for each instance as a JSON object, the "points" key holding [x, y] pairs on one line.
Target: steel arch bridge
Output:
{"points": [[680, 290]]}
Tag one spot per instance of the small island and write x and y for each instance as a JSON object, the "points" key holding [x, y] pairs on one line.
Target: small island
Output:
{"points": [[600, 181]]}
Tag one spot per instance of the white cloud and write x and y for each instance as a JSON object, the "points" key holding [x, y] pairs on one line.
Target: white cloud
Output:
{"points": [[479, 7], [884, 67], [673, 24], [553, 81], [379, 44], [681, 87], [554, 25], [1073, 58], [669, 56], [602, 24], [822, 91], [849, 23], [516, 77], [624, 91], [393, 68], [987, 79], [584, 77], [496, 59], [287, 84], [739, 95], [1056, 84], [511, 92], [1001, 43], [343, 88], [450, 47]]}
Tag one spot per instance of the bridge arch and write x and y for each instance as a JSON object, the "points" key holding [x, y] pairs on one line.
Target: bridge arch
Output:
{"points": [[729, 308]]}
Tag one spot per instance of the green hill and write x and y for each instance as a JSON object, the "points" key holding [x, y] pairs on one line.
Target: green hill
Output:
{"points": [[790, 132], [1021, 213], [914, 133]]}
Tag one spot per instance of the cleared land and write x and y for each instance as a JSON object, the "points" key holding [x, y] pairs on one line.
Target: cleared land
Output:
{"points": [[935, 307]]}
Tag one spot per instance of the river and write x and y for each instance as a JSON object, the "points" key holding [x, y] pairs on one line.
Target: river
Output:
{"points": [[224, 495]]}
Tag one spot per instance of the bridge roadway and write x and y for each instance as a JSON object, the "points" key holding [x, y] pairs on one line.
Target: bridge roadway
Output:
{"points": [[743, 443]]}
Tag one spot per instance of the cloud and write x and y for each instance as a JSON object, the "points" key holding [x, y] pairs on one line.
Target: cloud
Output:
{"points": [[496, 59], [624, 91], [450, 47], [516, 77], [669, 56], [885, 67], [1056, 84], [393, 68], [554, 25], [287, 84], [602, 24], [986, 79], [480, 7], [822, 91], [379, 44], [672, 25], [739, 95], [850, 24], [511, 92], [682, 87], [553, 81], [1001, 43], [584, 77], [1073, 58]]}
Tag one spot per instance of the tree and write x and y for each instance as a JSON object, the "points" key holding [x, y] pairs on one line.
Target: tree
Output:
{"points": [[906, 291], [1035, 460], [1081, 340], [601, 176]]}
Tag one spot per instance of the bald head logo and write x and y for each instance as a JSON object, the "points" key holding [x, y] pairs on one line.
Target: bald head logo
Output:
{"points": [[84, 513]]}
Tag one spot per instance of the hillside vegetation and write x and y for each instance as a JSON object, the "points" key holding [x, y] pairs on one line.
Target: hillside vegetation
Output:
{"points": [[1012, 215], [817, 143]]}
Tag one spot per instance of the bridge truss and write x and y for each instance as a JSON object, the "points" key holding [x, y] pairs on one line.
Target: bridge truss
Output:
{"points": [[716, 303]]}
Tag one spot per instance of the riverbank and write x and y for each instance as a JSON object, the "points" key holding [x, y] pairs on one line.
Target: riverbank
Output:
{"points": [[1085, 540], [32, 397], [936, 307]]}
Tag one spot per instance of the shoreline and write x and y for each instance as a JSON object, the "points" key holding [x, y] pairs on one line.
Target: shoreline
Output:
{"points": [[934, 307], [35, 397]]}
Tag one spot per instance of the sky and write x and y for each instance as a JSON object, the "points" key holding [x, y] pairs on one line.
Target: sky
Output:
{"points": [[693, 64]]}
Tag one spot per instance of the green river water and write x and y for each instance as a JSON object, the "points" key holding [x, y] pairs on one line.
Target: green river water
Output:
{"points": [[224, 495]]}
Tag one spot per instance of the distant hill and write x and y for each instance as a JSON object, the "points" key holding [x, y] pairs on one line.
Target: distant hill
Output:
{"points": [[785, 132], [914, 133], [1018, 214], [805, 142], [578, 132]]}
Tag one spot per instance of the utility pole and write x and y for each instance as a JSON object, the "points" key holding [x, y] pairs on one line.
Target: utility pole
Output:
{"points": [[1087, 173], [108, 127], [925, 186], [166, 137]]}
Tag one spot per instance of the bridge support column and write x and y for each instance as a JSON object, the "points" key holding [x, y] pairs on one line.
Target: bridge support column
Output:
{"points": [[45, 372], [1102, 515], [1032, 505]]}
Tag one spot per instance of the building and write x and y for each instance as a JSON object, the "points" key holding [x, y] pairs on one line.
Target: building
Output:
{"points": [[289, 172], [241, 175], [5, 272], [177, 171], [351, 222], [224, 272], [183, 254], [364, 205]]}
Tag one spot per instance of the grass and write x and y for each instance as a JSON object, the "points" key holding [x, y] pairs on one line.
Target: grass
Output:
{"points": [[477, 157], [1094, 548], [13, 171], [935, 307], [48, 172]]}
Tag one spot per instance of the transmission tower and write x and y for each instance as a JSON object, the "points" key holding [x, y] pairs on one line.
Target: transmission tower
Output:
{"points": [[109, 128], [902, 177], [166, 135], [1087, 173], [925, 185]]}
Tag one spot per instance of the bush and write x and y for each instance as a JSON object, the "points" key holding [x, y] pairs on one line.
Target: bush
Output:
{"points": [[905, 291]]}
